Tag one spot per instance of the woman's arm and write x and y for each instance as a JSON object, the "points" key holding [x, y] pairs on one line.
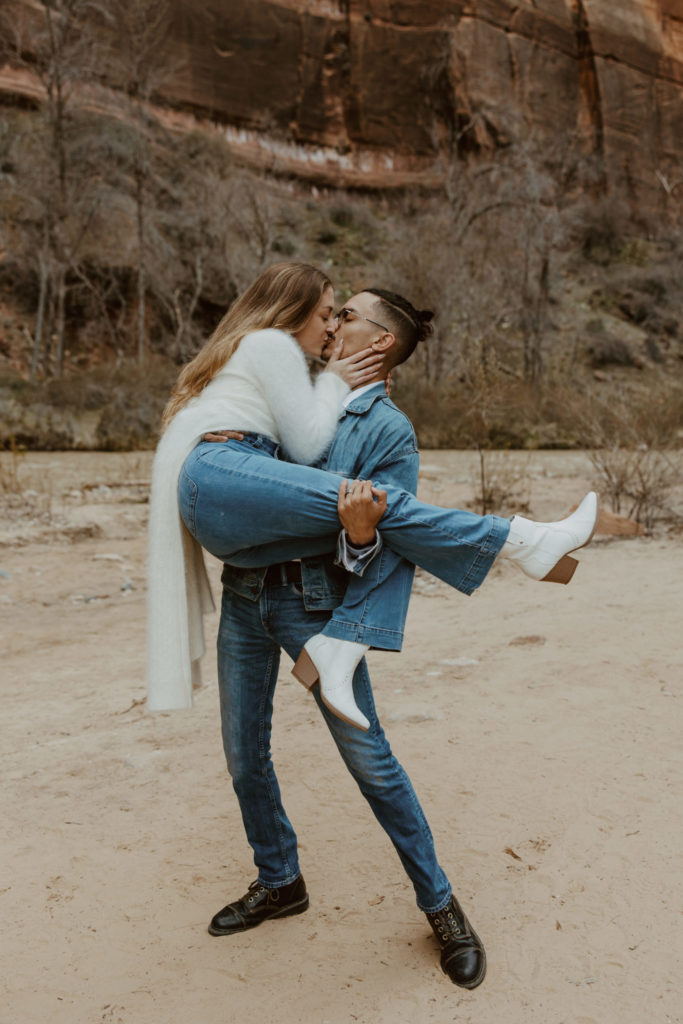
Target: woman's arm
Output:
{"points": [[306, 412]]}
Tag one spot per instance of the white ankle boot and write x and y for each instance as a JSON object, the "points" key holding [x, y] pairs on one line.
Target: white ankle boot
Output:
{"points": [[541, 550], [333, 662]]}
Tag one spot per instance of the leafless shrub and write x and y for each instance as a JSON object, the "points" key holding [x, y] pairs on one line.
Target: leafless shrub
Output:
{"points": [[502, 485], [598, 224], [637, 482], [486, 410], [18, 500], [10, 467], [634, 453], [649, 298], [606, 350]]}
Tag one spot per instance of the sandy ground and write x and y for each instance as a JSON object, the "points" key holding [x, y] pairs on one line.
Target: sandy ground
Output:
{"points": [[540, 725]]}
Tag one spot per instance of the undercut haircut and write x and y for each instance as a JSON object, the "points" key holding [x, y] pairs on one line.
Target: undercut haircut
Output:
{"points": [[409, 325]]}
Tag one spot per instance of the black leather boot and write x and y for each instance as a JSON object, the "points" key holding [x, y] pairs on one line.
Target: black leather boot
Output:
{"points": [[259, 904], [462, 954]]}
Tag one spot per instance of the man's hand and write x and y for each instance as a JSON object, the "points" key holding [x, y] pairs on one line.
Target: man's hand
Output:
{"points": [[360, 507], [224, 435]]}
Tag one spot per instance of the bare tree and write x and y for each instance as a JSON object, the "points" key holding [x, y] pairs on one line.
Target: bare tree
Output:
{"points": [[188, 227], [139, 64], [511, 213], [53, 41], [252, 213]]}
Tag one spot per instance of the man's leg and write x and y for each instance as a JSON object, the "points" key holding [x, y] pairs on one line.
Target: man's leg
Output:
{"points": [[369, 758], [385, 785], [388, 790], [249, 639]]}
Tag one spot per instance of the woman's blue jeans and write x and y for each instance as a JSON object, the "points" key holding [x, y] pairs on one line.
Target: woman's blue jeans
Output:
{"points": [[250, 636], [250, 509]]}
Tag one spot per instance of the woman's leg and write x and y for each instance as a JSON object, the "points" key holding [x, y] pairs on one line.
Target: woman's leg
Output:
{"points": [[233, 499], [241, 506]]}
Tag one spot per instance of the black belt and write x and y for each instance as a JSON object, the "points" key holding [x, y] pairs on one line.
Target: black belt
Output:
{"points": [[283, 573]]}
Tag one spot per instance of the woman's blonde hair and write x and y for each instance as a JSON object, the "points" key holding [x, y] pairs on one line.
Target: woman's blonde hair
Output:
{"points": [[284, 296]]}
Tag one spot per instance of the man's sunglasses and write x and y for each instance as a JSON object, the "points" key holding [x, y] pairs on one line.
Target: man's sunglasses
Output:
{"points": [[343, 315]]}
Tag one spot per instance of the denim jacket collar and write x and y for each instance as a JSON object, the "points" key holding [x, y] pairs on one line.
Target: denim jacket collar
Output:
{"points": [[361, 404]]}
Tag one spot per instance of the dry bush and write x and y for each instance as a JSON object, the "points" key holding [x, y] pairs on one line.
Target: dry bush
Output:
{"points": [[635, 451], [19, 502], [648, 297], [10, 467], [486, 409], [502, 485], [606, 350], [598, 225], [115, 408], [637, 482]]}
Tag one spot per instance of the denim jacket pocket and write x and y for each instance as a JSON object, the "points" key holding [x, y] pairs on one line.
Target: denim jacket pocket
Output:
{"points": [[324, 583]]}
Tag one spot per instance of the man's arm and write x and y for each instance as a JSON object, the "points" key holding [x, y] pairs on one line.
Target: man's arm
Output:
{"points": [[396, 462], [398, 468]]}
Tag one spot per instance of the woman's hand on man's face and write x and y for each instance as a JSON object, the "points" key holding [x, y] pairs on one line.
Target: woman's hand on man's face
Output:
{"points": [[357, 369]]}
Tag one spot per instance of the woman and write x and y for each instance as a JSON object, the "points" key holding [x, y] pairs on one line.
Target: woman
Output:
{"points": [[237, 499]]}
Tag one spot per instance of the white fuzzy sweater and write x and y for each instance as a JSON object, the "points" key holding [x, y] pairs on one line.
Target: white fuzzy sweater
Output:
{"points": [[264, 388]]}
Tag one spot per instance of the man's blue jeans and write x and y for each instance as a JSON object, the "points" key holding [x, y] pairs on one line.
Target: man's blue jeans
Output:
{"points": [[250, 636], [250, 509]]}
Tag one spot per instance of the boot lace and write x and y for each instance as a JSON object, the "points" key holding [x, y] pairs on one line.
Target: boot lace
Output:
{"points": [[448, 925]]}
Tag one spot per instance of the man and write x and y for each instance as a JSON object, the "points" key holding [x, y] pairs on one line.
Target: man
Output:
{"points": [[282, 606]]}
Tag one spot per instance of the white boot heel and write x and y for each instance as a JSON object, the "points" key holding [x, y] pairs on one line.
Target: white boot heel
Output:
{"points": [[563, 571], [305, 671], [333, 662]]}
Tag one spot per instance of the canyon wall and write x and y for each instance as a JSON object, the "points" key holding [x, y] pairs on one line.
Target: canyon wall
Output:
{"points": [[380, 93]]}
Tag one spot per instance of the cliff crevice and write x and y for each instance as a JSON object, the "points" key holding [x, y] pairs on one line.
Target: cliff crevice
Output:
{"points": [[589, 121]]}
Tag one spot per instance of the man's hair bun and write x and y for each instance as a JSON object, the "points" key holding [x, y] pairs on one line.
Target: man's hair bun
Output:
{"points": [[425, 326]]}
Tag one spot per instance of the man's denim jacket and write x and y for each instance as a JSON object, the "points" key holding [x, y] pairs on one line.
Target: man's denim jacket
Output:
{"points": [[375, 441]]}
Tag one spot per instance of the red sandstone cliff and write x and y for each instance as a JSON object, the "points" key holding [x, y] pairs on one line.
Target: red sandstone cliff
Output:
{"points": [[383, 92]]}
